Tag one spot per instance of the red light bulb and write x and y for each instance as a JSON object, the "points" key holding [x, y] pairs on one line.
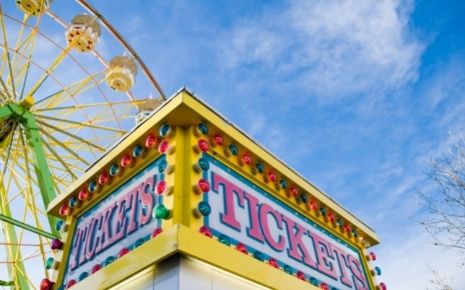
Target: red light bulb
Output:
{"points": [[161, 186], [313, 205], [123, 252], [126, 160], [246, 159], [64, 210], [46, 284], [103, 178], [218, 139], [331, 217], [371, 256], [294, 192], [151, 141], [300, 275], [96, 267], [273, 263], [203, 185], [83, 194], [163, 147], [271, 176], [242, 248], [70, 283], [348, 228], [203, 145], [156, 232], [205, 231]]}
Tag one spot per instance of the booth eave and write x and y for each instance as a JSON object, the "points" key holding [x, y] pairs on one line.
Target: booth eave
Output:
{"points": [[184, 109]]}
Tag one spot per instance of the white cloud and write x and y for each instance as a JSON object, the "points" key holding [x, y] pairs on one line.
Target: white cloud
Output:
{"points": [[252, 44], [338, 48], [407, 262]]}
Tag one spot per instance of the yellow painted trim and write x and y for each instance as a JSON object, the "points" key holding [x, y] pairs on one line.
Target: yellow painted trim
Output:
{"points": [[135, 261], [169, 198], [181, 190], [114, 182], [245, 141], [190, 243], [368, 267], [209, 250], [63, 255], [184, 110], [192, 178]]}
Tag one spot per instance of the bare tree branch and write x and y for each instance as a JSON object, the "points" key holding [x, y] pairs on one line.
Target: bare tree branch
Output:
{"points": [[446, 205]]}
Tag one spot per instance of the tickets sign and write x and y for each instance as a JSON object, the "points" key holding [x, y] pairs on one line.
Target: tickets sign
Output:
{"points": [[247, 214], [120, 222]]}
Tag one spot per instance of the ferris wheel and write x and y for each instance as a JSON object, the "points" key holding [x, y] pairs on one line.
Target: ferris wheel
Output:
{"points": [[70, 87]]}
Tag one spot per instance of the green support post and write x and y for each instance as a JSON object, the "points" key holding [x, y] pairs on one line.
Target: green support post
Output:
{"points": [[44, 179], [44, 176]]}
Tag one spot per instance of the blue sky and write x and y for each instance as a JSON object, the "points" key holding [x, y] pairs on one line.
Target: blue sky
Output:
{"points": [[357, 96]]}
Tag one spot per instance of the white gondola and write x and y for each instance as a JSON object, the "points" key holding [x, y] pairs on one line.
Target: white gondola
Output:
{"points": [[32, 7], [146, 108], [83, 33], [121, 73]]}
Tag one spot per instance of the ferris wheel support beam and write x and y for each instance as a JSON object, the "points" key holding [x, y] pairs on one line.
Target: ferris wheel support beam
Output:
{"points": [[44, 176], [27, 227], [16, 270]]}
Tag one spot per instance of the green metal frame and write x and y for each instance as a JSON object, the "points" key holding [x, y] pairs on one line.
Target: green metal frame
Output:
{"points": [[44, 179], [26, 118], [27, 227]]}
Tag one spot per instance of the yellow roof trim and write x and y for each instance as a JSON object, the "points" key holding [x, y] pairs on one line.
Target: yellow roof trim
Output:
{"points": [[209, 115], [182, 110]]}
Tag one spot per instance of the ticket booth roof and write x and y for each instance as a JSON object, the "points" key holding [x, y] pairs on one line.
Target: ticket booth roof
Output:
{"points": [[184, 109]]}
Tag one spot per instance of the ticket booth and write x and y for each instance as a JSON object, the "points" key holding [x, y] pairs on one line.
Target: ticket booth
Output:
{"points": [[188, 201]]}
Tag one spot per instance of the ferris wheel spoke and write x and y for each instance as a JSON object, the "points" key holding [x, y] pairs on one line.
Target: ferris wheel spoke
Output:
{"points": [[63, 163], [20, 44], [49, 70], [75, 124], [9, 140], [5, 90], [7, 53], [3, 97], [17, 269], [102, 118], [98, 147], [2, 67], [73, 163], [18, 181], [84, 124], [22, 271], [25, 50], [68, 159], [31, 255], [56, 18], [16, 177], [72, 90], [93, 105], [66, 148]]}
